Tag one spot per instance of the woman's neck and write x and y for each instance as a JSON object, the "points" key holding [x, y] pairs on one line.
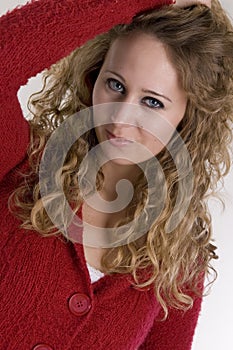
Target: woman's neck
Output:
{"points": [[113, 173]]}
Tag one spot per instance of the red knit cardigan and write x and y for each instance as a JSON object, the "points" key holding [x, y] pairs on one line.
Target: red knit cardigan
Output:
{"points": [[47, 299]]}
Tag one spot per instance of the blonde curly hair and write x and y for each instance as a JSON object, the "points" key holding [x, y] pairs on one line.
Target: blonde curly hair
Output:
{"points": [[200, 42]]}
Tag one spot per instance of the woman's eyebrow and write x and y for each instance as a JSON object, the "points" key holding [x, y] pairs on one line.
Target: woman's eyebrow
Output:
{"points": [[117, 74], [143, 90], [157, 94]]}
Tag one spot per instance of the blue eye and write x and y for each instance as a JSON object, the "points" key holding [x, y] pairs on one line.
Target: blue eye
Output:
{"points": [[153, 102], [115, 85]]}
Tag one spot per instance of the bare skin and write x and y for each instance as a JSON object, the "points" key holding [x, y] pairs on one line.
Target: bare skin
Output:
{"points": [[112, 174], [184, 3], [137, 70]]}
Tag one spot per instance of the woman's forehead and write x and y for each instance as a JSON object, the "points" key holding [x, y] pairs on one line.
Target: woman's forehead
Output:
{"points": [[143, 58]]}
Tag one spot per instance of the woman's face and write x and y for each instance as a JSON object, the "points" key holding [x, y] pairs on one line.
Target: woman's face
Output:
{"points": [[137, 71]]}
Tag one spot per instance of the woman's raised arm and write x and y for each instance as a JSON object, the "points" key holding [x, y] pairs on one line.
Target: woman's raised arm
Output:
{"points": [[37, 35]]}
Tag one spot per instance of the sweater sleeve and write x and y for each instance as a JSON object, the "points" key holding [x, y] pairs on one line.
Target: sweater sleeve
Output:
{"points": [[37, 35], [176, 332]]}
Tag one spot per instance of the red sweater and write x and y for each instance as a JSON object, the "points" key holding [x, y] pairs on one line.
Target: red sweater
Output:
{"points": [[47, 299]]}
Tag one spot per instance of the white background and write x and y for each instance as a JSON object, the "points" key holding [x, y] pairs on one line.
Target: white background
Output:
{"points": [[215, 325]]}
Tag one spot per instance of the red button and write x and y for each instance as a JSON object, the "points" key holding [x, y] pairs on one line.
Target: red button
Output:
{"points": [[42, 347], [79, 304]]}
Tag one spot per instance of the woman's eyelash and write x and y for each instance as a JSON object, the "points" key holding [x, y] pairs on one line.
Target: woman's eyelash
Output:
{"points": [[115, 85], [154, 103]]}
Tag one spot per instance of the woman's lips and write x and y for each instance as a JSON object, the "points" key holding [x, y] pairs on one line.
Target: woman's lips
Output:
{"points": [[117, 140]]}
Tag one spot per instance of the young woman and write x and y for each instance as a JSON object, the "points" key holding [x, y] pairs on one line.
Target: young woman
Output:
{"points": [[164, 83]]}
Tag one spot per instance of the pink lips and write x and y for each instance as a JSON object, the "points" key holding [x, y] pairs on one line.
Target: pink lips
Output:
{"points": [[116, 140]]}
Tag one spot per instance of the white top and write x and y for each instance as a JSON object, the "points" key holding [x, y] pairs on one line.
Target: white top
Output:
{"points": [[95, 274]]}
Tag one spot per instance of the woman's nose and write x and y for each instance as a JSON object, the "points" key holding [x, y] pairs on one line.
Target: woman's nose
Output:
{"points": [[124, 113]]}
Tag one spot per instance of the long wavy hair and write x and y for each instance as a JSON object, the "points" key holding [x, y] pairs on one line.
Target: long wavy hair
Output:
{"points": [[200, 44]]}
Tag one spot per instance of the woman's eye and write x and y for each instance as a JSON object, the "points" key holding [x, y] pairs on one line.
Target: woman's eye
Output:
{"points": [[115, 85], [153, 102]]}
